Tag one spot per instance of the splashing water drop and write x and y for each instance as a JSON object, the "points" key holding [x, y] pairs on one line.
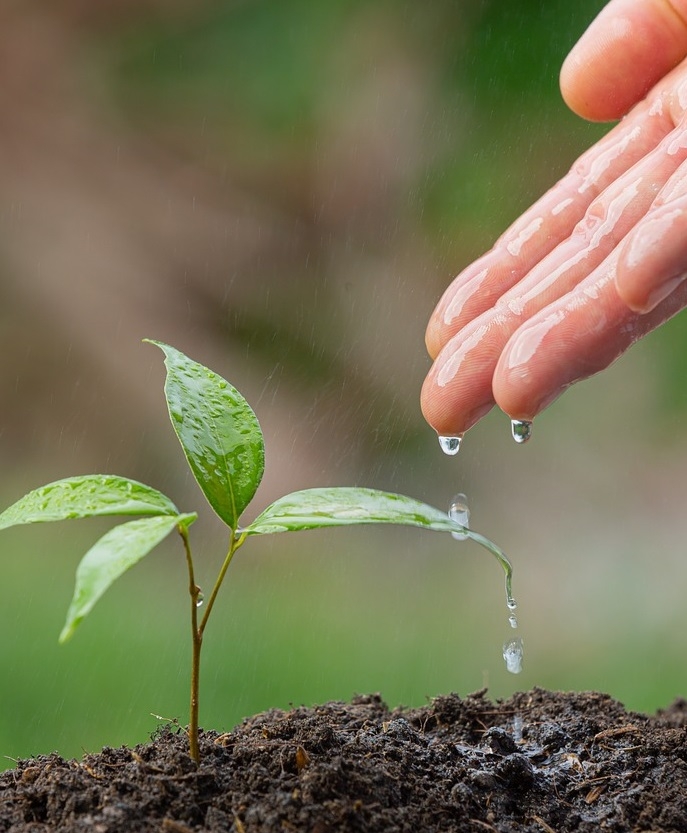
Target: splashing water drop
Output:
{"points": [[451, 445], [521, 430], [459, 512], [517, 728], [512, 653]]}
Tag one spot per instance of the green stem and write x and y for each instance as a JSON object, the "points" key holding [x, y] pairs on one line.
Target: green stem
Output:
{"points": [[197, 644], [197, 630], [234, 544]]}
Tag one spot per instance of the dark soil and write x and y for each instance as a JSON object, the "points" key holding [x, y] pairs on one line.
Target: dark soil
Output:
{"points": [[539, 761]]}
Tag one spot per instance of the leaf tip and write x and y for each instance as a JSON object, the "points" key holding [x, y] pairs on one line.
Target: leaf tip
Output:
{"points": [[68, 631], [154, 342]]}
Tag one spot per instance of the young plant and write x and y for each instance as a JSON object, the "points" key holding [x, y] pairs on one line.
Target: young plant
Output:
{"points": [[221, 438]]}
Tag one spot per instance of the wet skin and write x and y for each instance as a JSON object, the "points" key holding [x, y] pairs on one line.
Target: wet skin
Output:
{"points": [[600, 259]]}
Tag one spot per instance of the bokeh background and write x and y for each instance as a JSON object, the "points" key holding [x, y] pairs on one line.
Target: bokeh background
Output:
{"points": [[282, 189]]}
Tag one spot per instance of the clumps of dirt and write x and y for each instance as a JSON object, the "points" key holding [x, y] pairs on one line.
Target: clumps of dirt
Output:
{"points": [[540, 761]]}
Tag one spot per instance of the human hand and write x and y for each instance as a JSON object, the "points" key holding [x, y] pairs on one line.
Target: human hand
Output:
{"points": [[600, 259]]}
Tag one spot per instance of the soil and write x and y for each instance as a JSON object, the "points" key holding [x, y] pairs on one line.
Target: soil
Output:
{"points": [[539, 761]]}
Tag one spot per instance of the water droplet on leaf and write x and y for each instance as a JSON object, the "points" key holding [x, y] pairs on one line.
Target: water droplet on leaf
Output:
{"points": [[460, 513]]}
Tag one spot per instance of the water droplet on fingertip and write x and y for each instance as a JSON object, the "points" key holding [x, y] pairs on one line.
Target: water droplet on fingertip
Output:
{"points": [[451, 445], [512, 654], [521, 430], [459, 512]]}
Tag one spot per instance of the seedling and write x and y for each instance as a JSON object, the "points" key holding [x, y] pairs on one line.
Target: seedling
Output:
{"points": [[223, 443]]}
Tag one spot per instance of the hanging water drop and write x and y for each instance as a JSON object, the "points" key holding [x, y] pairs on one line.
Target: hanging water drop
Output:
{"points": [[521, 430], [512, 654], [451, 445], [200, 598], [459, 512]]}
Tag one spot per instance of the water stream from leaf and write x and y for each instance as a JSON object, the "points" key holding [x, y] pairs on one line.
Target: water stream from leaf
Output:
{"points": [[459, 511]]}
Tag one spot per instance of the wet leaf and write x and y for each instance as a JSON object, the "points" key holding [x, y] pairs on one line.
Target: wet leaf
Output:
{"points": [[86, 497], [344, 506], [218, 431], [117, 551]]}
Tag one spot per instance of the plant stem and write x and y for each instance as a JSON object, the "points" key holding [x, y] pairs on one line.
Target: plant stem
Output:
{"points": [[197, 643], [234, 544], [197, 630]]}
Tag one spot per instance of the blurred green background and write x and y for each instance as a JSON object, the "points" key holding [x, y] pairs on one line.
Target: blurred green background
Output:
{"points": [[283, 190]]}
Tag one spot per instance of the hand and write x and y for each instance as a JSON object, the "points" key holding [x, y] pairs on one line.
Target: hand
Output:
{"points": [[600, 259]]}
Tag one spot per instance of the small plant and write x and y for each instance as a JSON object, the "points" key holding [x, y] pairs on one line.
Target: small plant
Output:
{"points": [[223, 444]]}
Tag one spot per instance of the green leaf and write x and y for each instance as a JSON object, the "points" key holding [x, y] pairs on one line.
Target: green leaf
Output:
{"points": [[345, 506], [218, 431], [86, 497], [117, 551]]}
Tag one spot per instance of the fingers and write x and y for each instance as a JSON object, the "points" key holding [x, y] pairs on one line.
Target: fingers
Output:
{"points": [[630, 46], [546, 224], [579, 335], [591, 267], [653, 260], [458, 388]]}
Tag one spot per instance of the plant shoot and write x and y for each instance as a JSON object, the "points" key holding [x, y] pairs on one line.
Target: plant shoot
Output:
{"points": [[223, 444]]}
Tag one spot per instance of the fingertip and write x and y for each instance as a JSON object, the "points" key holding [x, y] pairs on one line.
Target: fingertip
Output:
{"points": [[452, 409], [626, 50], [524, 381], [597, 79], [436, 410], [574, 88]]}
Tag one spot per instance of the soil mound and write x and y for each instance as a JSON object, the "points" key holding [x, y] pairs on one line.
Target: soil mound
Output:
{"points": [[539, 761]]}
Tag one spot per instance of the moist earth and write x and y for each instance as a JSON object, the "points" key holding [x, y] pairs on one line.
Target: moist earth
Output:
{"points": [[538, 761]]}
